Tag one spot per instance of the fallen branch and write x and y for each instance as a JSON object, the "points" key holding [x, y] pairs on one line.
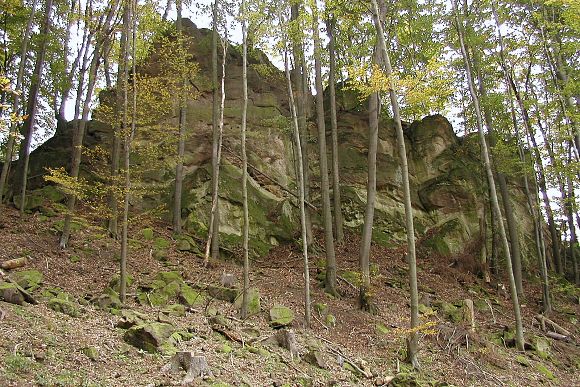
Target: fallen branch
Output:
{"points": [[557, 336], [14, 263], [27, 296], [346, 282], [555, 327], [346, 358]]}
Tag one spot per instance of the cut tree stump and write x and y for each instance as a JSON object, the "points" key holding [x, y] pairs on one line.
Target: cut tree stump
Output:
{"points": [[286, 338], [195, 366]]}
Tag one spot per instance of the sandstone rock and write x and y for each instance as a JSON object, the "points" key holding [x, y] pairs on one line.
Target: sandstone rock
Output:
{"points": [[222, 293], [10, 294], [253, 301], [149, 336], [64, 306], [315, 358], [28, 279], [281, 316]]}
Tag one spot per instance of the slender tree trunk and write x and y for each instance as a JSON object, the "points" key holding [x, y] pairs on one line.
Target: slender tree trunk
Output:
{"points": [[79, 135], [60, 112], [301, 189], [302, 91], [412, 340], [330, 285], [214, 207], [338, 218], [215, 225], [494, 200], [503, 187], [120, 125], [182, 129], [569, 205], [13, 133], [32, 104], [365, 299], [246, 225], [128, 139]]}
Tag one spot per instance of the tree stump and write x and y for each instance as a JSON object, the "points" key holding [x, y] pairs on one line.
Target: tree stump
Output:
{"points": [[286, 338], [195, 366], [469, 313]]}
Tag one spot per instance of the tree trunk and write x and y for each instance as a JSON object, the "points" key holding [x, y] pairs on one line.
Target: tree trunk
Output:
{"points": [[412, 340], [13, 133], [128, 138], [365, 299], [502, 182], [301, 189], [79, 134], [494, 200], [214, 216], [338, 218], [32, 104], [330, 285], [302, 90], [215, 222], [120, 125], [246, 225], [181, 146]]}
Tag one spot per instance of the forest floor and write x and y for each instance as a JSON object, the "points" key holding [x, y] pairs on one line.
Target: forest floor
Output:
{"points": [[39, 346]]}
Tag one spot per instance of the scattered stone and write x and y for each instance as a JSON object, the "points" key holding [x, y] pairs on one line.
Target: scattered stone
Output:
{"points": [[426, 310], [91, 353], [160, 255], [130, 318], [254, 306], [330, 320], [222, 293], [541, 346], [281, 316], [382, 329], [321, 309], [10, 293], [109, 300], [190, 297], [149, 336], [115, 282], [64, 306], [183, 245], [450, 312], [28, 279], [161, 243], [147, 234], [176, 310], [315, 358]]}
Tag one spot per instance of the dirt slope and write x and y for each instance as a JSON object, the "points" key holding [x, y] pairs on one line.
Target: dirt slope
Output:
{"points": [[39, 346]]}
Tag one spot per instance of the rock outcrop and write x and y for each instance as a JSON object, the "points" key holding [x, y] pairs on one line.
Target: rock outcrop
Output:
{"points": [[448, 186]]}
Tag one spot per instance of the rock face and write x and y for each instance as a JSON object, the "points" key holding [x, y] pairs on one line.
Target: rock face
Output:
{"points": [[449, 189]]}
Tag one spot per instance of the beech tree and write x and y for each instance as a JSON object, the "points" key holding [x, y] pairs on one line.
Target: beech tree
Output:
{"points": [[491, 181], [32, 105]]}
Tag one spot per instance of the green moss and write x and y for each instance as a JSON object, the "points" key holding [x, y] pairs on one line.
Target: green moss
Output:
{"points": [[147, 234], [28, 279], [190, 297], [545, 371], [161, 243], [254, 306], [64, 306]]}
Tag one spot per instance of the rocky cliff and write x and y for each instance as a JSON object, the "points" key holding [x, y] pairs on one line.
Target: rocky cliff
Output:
{"points": [[448, 187]]}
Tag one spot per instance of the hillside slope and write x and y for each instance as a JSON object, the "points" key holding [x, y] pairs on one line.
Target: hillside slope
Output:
{"points": [[41, 346]]}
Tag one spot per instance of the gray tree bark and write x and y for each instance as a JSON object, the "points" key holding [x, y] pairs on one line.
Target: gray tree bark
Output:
{"points": [[16, 102], [412, 340], [494, 200], [330, 284], [32, 104]]}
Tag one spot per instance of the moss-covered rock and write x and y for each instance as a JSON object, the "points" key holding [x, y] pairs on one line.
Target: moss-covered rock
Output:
{"points": [[91, 352], [41, 197], [176, 310], [223, 293], [64, 306], [253, 301], [109, 300], [28, 279], [190, 297], [9, 293], [149, 337], [281, 316]]}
